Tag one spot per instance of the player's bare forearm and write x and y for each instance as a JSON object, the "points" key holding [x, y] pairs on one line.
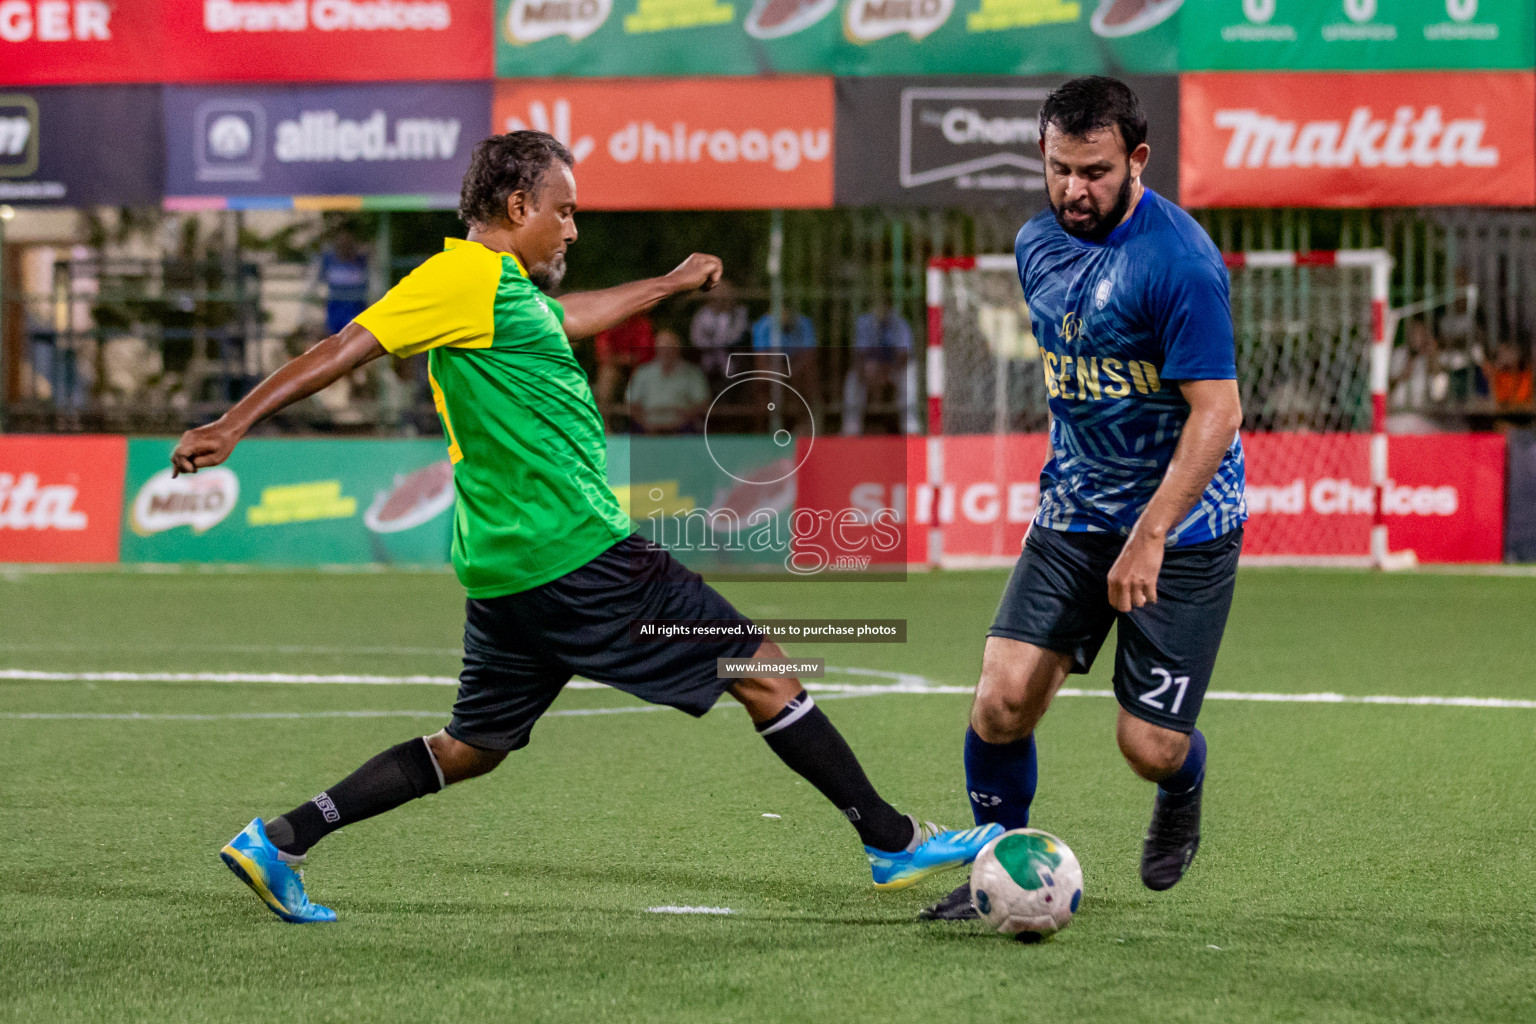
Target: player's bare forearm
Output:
{"points": [[326, 363], [589, 313], [1215, 413]]}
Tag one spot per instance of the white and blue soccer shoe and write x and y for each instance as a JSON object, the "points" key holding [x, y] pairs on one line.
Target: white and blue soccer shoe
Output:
{"points": [[260, 865], [933, 849]]}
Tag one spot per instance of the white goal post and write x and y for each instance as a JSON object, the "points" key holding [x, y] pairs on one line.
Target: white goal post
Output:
{"points": [[966, 335]]}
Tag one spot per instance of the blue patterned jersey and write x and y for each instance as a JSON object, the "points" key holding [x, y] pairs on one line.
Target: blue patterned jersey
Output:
{"points": [[1119, 323]]}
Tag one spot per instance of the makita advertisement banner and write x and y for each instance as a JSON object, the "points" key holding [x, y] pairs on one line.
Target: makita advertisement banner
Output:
{"points": [[1309, 495], [340, 140], [611, 38], [285, 502], [732, 144], [1243, 35], [60, 498], [969, 142], [326, 40], [78, 146], [1352, 140]]}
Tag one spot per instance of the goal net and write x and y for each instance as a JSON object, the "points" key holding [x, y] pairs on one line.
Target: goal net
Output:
{"points": [[1312, 333]]}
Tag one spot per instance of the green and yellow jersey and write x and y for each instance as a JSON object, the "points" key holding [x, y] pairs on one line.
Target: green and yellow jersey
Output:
{"points": [[523, 432]]}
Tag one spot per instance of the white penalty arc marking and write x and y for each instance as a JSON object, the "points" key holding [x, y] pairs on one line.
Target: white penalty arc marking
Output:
{"points": [[900, 683]]}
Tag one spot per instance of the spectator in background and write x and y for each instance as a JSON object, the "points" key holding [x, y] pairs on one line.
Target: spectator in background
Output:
{"points": [[344, 272], [1509, 377], [1417, 376], [795, 336], [882, 355], [620, 349], [668, 395], [719, 326]]}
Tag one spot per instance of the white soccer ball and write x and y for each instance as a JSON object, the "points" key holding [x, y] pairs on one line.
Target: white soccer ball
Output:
{"points": [[1027, 883]]}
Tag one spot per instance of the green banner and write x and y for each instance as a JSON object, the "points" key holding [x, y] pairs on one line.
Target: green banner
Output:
{"points": [[1357, 35], [290, 502], [544, 38], [719, 503]]}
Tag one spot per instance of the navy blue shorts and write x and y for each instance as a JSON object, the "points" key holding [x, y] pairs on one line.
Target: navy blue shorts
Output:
{"points": [[521, 649], [1058, 599]]}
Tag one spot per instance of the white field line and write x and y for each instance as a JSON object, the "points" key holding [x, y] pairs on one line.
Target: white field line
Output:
{"points": [[304, 649], [689, 910], [901, 682], [134, 716]]}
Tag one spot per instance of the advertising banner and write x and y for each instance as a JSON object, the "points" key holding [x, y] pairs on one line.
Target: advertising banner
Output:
{"points": [[940, 142], [282, 502], [609, 38], [1383, 139], [339, 140], [60, 498], [326, 40], [67, 42], [1520, 540], [1309, 495], [685, 145], [1359, 35], [81, 145]]}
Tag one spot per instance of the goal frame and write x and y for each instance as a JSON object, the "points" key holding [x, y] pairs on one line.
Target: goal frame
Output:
{"points": [[1383, 324]]}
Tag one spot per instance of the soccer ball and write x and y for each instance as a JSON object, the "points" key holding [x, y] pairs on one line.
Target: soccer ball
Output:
{"points": [[1027, 883]]}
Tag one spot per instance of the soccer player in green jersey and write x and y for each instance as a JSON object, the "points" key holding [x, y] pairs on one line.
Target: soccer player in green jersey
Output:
{"points": [[554, 573]]}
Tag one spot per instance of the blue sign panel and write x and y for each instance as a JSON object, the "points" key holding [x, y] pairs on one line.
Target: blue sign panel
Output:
{"points": [[354, 140], [80, 145]]}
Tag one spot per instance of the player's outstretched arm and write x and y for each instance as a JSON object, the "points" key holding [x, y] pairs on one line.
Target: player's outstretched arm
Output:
{"points": [[329, 361], [1215, 414], [588, 313]]}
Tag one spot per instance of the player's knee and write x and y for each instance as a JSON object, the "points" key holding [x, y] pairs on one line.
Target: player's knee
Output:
{"points": [[1002, 713], [1153, 753], [459, 761]]}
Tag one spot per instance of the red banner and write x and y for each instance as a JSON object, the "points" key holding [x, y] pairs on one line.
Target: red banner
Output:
{"points": [[1366, 139], [1309, 495], [61, 498], [68, 42], [328, 40], [64, 42], [723, 144]]}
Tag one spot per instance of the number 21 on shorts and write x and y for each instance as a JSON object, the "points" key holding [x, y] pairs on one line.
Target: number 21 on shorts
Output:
{"points": [[1150, 698]]}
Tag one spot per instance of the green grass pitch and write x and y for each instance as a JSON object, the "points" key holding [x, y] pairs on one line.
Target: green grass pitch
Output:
{"points": [[1361, 862]]}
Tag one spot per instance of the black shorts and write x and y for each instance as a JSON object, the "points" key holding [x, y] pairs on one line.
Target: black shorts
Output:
{"points": [[1058, 599], [521, 649]]}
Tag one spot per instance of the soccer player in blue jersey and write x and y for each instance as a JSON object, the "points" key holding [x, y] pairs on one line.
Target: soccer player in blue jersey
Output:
{"points": [[1141, 503]]}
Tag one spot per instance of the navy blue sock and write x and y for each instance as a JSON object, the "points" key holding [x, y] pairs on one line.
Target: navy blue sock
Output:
{"points": [[1000, 778], [1177, 789]]}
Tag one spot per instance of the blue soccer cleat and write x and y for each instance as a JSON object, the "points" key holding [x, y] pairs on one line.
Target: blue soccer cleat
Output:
{"points": [[933, 849], [260, 865]]}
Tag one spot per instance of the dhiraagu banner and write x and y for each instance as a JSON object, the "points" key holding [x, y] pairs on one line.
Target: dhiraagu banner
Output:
{"points": [[618, 38], [292, 502], [1358, 35]]}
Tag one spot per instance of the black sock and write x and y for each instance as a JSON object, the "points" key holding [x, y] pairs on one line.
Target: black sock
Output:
{"points": [[807, 741], [399, 774]]}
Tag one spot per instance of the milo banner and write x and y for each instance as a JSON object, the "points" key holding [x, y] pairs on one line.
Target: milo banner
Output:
{"points": [[1358, 35], [282, 502], [616, 38], [974, 141]]}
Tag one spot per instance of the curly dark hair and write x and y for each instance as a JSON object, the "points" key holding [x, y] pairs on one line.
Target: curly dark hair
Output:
{"points": [[1090, 104], [503, 164]]}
